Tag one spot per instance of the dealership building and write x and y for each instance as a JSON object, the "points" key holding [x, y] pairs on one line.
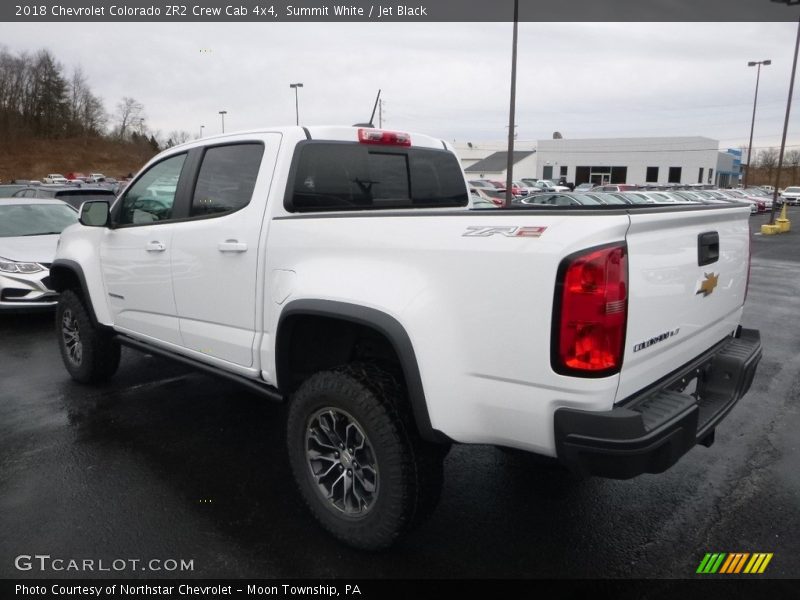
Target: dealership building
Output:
{"points": [[685, 160]]}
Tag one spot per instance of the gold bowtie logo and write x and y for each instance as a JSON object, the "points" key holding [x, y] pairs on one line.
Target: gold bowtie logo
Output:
{"points": [[708, 284]]}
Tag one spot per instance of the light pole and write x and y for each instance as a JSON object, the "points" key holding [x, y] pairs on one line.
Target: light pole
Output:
{"points": [[753, 63], [512, 109], [294, 86], [201, 130], [222, 114]]}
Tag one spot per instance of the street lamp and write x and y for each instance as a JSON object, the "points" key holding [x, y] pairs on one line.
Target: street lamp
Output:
{"points": [[222, 114], [294, 86], [201, 130], [753, 63]]}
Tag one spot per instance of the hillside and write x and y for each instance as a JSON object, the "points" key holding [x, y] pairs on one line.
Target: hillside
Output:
{"points": [[35, 158]]}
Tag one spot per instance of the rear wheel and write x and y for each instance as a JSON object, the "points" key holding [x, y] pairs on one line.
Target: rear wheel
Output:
{"points": [[89, 352], [361, 468]]}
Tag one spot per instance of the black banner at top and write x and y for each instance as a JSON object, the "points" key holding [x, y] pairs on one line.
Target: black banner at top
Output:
{"points": [[411, 11]]}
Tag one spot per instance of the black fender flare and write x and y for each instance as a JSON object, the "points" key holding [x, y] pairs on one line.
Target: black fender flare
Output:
{"points": [[383, 323], [57, 278]]}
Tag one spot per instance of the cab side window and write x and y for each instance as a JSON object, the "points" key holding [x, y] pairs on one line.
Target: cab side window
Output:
{"points": [[152, 197]]}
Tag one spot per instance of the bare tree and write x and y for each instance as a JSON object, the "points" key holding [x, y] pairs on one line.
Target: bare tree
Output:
{"points": [[87, 114], [792, 158], [179, 137], [768, 159], [130, 113]]}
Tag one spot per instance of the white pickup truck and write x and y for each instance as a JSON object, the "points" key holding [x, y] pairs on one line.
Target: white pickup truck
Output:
{"points": [[345, 271], [55, 178]]}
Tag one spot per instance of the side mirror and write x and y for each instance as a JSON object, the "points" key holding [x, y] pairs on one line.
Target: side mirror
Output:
{"points": [[95, 213]]}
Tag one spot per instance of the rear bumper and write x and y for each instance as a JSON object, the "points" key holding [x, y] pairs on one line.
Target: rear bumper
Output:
{"points": [[651, 431]]}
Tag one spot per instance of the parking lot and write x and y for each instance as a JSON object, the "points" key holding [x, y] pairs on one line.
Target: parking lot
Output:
{"points": [[166, 463]]}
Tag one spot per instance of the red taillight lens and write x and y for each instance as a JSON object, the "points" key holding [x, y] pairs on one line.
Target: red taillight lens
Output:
{"points": [[386, 138], [591, 312]]}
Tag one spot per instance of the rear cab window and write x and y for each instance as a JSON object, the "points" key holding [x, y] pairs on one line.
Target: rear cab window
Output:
{"points": [[337, 176]]}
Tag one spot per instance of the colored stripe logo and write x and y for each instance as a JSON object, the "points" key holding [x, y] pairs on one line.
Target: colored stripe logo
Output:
{"points": [[734, 563]]}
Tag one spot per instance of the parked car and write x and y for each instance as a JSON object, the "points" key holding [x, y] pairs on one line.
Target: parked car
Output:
{"points": [[791, 195], [9, 189], [495, 196], [55, 178], [482, 201], [746, 196], [482, 183], [558, 199], [74, 196], [616, 187], [702, 196], [522, 188], [97, 177], [548, 185], [29, 231], [77, 177], [584, 187]]}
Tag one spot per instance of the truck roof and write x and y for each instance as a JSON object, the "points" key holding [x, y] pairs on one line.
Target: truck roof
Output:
{"points": [[335, 133]]}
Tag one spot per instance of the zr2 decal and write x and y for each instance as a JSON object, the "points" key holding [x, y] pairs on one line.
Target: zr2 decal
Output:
{"points": [[507, 231]]}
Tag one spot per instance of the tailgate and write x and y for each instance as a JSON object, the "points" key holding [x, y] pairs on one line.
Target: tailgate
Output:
{"points": [[687, 281]]}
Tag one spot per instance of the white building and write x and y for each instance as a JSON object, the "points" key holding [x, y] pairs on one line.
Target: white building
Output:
{"points": [[629, 160]]}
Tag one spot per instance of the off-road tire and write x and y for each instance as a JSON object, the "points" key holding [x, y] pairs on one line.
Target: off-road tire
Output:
{"points": [[89, 352], [409, 470]]}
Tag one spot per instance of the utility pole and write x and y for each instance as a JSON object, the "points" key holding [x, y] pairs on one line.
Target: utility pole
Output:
{"points": [[785, 128], [753, 63]]}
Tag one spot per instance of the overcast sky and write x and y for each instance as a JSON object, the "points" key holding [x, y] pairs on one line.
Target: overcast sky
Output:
{"points": [[450, 80]]}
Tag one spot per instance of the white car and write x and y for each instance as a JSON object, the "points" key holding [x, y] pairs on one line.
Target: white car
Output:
{"points": [[29, 231], [550, 184], [791, 195], [95, 177]]}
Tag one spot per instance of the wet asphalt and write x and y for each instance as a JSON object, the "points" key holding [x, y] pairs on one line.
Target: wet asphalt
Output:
{"points": [[166, 463]]}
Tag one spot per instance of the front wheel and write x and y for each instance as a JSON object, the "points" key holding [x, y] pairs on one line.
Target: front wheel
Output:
{"points": [[363, 472], [90, 354]]}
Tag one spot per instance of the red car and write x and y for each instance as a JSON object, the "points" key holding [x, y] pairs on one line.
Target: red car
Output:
{"points": [[76, 177], [515, 189]]}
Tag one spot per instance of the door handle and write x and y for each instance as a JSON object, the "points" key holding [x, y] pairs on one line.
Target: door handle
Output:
{"points": [[232, 246], [155, 247], [707, 248]]}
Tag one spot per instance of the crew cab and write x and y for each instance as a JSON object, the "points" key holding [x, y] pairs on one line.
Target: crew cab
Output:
{"points": [[345, 272]]}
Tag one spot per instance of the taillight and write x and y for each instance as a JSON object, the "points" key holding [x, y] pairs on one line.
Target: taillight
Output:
{"points": [[591, 312], [386, 138]]}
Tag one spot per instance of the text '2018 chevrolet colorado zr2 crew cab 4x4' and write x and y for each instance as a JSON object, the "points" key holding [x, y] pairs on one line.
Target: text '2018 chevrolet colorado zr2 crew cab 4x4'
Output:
{"points": [[344, 271]]}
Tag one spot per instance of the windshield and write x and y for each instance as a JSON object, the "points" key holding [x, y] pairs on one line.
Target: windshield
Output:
{"points": [[35, 219], [792, 190]]}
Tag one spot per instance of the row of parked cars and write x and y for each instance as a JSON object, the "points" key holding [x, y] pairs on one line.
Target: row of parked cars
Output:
{"points": [[598, 196], [29, 228]]}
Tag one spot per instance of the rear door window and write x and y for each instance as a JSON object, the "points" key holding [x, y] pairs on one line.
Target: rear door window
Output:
{"points": [[227, 178]]}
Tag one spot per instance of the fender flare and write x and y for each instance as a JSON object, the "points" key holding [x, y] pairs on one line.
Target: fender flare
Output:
{"points": [[57, 270], [381, 322]]}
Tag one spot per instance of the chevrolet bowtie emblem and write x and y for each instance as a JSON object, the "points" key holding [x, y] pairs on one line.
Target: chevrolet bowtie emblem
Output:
{"points": [[708, 284]]}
